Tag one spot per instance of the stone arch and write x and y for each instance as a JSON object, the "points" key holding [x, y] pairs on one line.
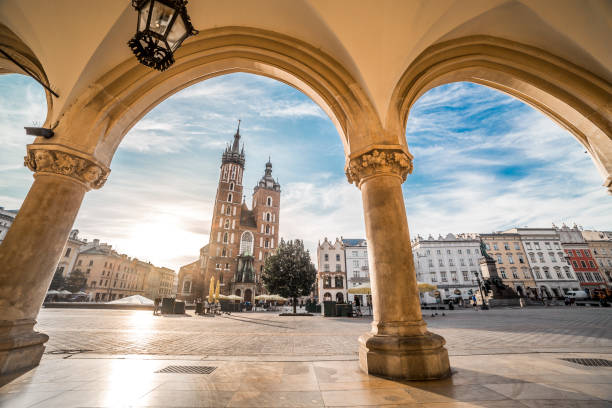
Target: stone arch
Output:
{"points": [[574, 98], [99, 119], [339, 297]]}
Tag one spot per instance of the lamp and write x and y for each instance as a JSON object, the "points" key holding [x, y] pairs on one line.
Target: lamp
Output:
{"points": [[162, 27]]}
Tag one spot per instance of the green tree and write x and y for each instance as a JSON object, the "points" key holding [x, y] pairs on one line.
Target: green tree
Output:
{"points": [[289, 272], [58, 281], [76, 281]]}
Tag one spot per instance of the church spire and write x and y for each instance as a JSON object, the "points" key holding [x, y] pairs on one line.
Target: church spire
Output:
{"points": [[236, 145], [234, 154]]}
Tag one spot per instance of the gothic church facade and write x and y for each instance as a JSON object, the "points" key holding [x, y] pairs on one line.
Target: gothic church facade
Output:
{"points": [[241, 238]]}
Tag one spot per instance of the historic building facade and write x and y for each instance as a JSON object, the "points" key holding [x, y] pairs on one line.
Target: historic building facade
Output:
{"points": [[331, 277], [241, 238], [552, 275], [450, 263], [600, 243], [6, 220], [578, 254], [511, 261], [74, 245], [357, 267]]}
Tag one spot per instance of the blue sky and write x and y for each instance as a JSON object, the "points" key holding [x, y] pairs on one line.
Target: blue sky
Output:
{"points": [[483, 162]]}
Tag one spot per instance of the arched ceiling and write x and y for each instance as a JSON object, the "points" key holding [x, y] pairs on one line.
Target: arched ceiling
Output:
{"points": [[77, 41]]}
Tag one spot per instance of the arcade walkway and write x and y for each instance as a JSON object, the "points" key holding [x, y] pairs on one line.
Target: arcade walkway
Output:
{"points": [[500, 358]]}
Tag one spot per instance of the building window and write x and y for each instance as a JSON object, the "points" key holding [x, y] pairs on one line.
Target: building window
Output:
{"points": [[68, 252], [224, 252], [537, 273], [428, 252], [326, 267], [499, 259], [451, 262], [440, 262], [506, 246], [326, 257], [225, 237], [337, 257], [267, 243], [537, 245], [528, 245], [268, 217], [503, 273], [552, 256], [515, 274], [443, 277], [227, 223], [465, 276], [468, 251], [448, 251], [231, 186], [431, 263], [495, 246], [338, 269], [516, 246], [583, 264], [269, 202], [434, 277], [559, 274], [462, 262], [547, 245], [510, 258], [355, 262], [597, 277], [246, 243], [541, 256], [229, 197], [580, 277], [547, 273], [228, 210], [591, 264], [578, 252], [458, 251], [438, 252], [470, 261]]}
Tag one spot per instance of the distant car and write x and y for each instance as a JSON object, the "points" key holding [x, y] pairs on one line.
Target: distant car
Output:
{"points": [[577, 295]]}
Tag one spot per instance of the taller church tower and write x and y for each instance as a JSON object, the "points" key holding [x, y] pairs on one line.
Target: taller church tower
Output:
{"points": [[224, 229]]}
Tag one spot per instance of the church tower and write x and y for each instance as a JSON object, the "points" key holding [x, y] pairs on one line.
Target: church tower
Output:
{"points": [[224, 229]]}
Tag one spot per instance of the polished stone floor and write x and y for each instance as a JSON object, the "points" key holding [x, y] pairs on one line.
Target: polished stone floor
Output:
{"points": [[509, 375]]}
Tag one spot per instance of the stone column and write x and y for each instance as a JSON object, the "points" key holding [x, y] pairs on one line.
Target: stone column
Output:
{"points": [[399, 345], [32, 247]]}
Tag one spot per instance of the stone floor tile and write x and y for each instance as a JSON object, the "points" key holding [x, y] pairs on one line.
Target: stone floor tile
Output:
{"points": [[375, 396], [276, 399], [566, 404], [25, 399], [173, 399], [601, 391], [453, 393], [526, 391]]}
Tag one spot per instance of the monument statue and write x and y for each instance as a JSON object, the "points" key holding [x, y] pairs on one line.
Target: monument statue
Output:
{"points": [[483, 251]]}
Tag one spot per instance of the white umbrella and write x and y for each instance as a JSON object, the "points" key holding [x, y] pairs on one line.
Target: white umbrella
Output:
{"points": [[65, 292], [52, 292], [362, 289]]}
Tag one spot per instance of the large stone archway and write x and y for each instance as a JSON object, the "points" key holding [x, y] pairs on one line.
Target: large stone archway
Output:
{"points": [[88, 133], [571, 96]]}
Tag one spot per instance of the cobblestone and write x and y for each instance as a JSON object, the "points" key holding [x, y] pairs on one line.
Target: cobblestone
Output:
{"points": [[266, 334]]}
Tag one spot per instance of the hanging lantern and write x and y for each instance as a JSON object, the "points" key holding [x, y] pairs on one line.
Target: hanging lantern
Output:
{"points": [[162, 27]]}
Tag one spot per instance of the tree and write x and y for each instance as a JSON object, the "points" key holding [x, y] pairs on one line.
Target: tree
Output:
{"points": [[289, 272], [76, 282], [58, 281]]}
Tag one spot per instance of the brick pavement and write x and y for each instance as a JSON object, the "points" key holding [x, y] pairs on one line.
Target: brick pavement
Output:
{"points": [[265, 334]]}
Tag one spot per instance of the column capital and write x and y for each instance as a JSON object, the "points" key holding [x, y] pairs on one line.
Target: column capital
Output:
{"points": [[66, 162], [378, 160]]}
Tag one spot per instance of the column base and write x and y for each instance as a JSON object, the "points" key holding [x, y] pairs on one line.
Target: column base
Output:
{"points": [[21, 348], [404, 357]]}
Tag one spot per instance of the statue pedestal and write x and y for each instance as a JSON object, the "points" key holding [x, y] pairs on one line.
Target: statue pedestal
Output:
{"points": [[497, 294]]}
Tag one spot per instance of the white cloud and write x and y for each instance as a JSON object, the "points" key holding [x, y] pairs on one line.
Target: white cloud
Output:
{"points": [[292, 109]]}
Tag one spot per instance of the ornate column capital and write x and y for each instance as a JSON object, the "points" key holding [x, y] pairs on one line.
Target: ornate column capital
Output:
{"points": [[378, 160], [66, 162]]}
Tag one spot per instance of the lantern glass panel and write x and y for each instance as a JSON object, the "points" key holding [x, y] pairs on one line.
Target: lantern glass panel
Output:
{"points": [[143, 15], [161, 15], [177, 33]]}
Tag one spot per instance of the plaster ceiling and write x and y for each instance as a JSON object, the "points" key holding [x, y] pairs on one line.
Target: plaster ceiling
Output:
{"points": [[77, 41]]}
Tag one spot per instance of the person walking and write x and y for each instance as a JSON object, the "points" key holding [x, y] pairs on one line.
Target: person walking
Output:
{"points": [[156, 305], [474, 303]]}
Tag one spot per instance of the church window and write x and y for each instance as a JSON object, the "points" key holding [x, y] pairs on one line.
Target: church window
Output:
{"points": [[267, 243], [233, 173], [229, 197], [227, 223], [225, 237], [225, 173], [229, 210], [267, 229], [246, 244], [226, 266], [268, 217], [269, 201], [224, 252], [231, 187]]}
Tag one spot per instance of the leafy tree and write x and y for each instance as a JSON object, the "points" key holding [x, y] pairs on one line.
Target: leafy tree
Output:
{"points": [[76, 281], [58, 281], [289, 272]]}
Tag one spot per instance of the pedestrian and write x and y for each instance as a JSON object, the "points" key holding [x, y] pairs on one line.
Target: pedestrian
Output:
{"points": [[156, 305], [474, 304]]}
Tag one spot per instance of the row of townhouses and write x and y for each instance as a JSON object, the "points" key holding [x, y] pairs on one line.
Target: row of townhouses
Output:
{"points": [[535, 262], [111, 275]]}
